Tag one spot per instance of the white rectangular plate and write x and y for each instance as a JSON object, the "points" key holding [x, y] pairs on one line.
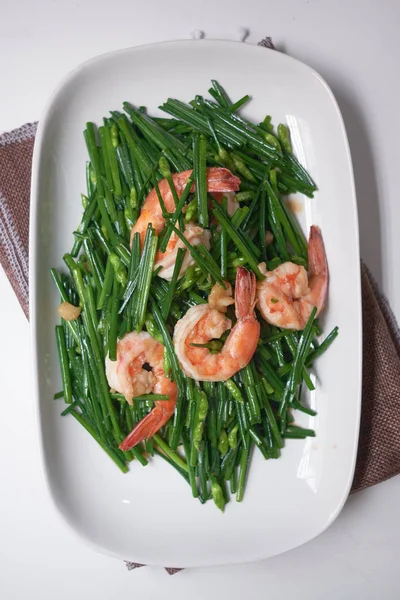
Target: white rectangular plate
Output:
{"points": [[149, 515]]}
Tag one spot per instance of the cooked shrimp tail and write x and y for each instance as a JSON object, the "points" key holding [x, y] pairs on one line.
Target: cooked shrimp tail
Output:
{"points": [[128, 376], [318, 266], [149, 425], [245, 293]]}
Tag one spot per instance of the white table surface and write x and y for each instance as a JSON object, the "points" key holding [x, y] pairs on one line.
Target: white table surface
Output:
{"points": [[354, 45]]}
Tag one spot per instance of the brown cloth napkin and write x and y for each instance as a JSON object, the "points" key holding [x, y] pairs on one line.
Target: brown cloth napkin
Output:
{"points": [[378, 455]]}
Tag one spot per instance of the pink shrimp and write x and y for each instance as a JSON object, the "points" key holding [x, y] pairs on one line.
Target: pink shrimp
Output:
{"points": [[203, 323], [127, 376], [287, 295], [218, 180]]}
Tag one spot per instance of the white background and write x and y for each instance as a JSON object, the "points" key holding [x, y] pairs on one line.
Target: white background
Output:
{"points": [[354, 45]]}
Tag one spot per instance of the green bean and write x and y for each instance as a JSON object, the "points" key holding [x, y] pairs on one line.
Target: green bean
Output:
{"points": [[88, 320], [161, 138], [75, 404], [96, 163], [228, 463], [220, 94], [170, 453], [199, 154], [242, 169], [145, 271], [263, 208], [323, 347], [191, 211], [107, 285], [272, 451], [276, 345], [250, 210], [93, 150], [224, 244], [176, 215], [88, 213], [233, 482], [137, 152], [298, 432], [234, 390], [271, 418], [237, 219], [243, 468], [242, 132], [243, 423], [210, 391], [166, 173], [272, 141], [297, 368], [232, 437], [303, 348], [222, 397], [223, 444], [123, 253], [119, 270], [237, 237], [93, 392], [90, 179], [307, 380], [116, 182], [107, 169], [249, 386], [277, 209], [217, 493], [274, 381], [259, 442], [246, 196], [305, 409], [125, 166], [178, 420], [70, 324], [96, 268], [200, 417], [76, 275], [63, 358], [239, 103], [202, 468], [112, 339], [276, 228]]}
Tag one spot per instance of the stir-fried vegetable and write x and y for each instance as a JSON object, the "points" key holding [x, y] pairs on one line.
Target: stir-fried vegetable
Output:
{"points": [[115, 281]]}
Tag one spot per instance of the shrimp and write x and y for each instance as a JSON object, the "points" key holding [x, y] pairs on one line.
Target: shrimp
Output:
{"points": [[287, 295], [218, 180], [203, 323], [195, 235], [128, 377]]}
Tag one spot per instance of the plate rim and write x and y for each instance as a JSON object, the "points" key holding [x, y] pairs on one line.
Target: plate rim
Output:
{"points": [[34, 206]]}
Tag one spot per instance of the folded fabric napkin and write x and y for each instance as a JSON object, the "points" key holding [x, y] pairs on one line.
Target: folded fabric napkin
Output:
{"points": [[378, 455]]}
